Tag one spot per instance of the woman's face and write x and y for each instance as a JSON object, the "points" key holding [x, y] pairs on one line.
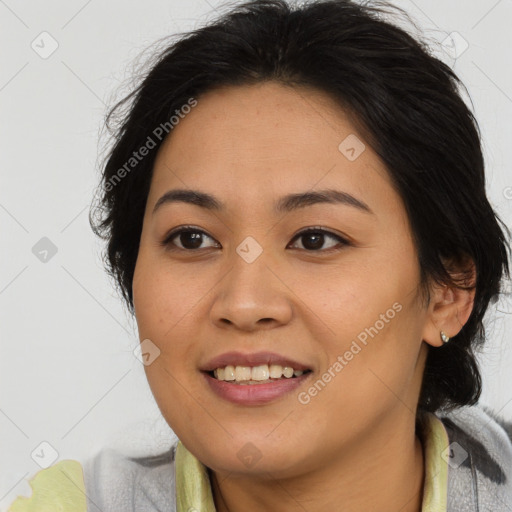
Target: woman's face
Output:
{"points": [[243, 281]]}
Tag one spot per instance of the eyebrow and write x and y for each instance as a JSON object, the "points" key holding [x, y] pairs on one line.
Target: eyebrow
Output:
{"points": [[287, 203]]}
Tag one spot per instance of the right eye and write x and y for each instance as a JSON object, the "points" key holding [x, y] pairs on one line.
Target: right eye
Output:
{"points": [[189, 237]]}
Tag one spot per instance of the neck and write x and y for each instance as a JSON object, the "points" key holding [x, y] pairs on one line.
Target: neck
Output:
{"points": [[384, 471]]}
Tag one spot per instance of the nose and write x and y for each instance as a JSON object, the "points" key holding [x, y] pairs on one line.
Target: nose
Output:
{"points": [[252, 296]]}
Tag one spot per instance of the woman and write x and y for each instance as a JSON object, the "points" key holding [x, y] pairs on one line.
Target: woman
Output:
{"points": [[296, 215]]}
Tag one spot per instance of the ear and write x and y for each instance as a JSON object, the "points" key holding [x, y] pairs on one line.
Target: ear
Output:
{"points": [[450, 307]]}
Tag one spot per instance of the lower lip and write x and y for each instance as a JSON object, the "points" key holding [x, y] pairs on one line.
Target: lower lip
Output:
{"points": [[254, 394]]}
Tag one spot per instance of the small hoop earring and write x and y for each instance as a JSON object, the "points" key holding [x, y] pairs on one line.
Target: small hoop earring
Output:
{"points": [[444, 337]]}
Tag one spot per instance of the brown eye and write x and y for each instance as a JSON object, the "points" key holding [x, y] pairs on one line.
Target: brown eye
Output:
{"points": [[314, 239], [187, 238]]}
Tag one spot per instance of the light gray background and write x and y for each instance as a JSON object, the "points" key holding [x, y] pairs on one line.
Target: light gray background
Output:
{"points": [[68, 374]]}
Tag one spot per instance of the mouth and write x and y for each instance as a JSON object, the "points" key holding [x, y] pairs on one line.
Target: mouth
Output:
{"points": [[247, 391], [254, 379], [255, 375]]}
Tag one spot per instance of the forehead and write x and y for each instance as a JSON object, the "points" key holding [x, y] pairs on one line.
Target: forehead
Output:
{"points": [[249, 142]]}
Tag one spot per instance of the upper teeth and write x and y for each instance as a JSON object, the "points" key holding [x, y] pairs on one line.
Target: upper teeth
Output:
{"points": [[262, 372]]}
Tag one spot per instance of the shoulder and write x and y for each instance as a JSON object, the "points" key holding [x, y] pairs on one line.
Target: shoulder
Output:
{"points": [[485, 436], [479, 457], [114, 481], [58, 487], [109, 481]]}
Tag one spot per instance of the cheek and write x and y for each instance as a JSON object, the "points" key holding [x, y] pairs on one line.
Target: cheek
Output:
{"points": [[162, 295], [166, 299], [343, 300], [161, 314], [371, 321]]}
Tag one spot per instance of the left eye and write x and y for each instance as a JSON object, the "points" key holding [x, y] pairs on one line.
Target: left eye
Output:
{"points": [[317, 237], [191, 239]]}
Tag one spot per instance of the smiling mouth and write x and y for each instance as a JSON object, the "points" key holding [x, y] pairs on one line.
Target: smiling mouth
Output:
{"points": [[261, 374]]}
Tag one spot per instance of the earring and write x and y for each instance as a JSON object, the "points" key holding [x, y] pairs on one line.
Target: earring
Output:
{"points": [[444, 337]]}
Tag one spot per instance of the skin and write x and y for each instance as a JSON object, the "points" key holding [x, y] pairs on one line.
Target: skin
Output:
{"points": [[354, 444]]}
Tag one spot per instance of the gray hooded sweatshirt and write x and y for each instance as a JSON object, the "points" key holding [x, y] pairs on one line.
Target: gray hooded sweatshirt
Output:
{"points": [[480, 481]]}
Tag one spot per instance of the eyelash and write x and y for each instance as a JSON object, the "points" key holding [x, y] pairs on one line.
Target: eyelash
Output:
{"points": [[316, 229]]}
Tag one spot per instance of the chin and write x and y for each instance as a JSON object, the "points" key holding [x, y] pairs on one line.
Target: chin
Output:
{"points": [[251, 456]]}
